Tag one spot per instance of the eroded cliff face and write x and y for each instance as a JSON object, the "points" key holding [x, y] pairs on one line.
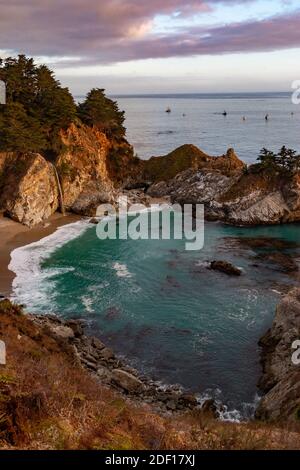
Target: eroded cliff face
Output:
{"points": [[82, 167], [228, 191], [94, 170], [90, 170], [28, 188], [281, 377]]}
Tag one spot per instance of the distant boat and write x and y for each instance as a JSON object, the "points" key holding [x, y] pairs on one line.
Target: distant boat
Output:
{"points": [[267, 117], [168, 110], [225, 113]]}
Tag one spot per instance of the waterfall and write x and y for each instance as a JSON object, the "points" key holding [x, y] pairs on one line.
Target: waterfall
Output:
{"points": [[60, 191]]}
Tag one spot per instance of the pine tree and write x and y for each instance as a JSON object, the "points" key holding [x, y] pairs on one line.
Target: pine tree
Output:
{"points": [[99, 111], [20, 132], [41, 104]]}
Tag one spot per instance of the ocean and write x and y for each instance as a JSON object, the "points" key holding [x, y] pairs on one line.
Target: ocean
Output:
{"points": [[156, 304], [197, 119]]}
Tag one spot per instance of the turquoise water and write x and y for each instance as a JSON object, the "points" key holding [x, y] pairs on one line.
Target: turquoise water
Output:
{"points": [[160, 307]]}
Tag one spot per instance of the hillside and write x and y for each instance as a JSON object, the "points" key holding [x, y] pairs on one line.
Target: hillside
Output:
{"points": [[50, 401]]}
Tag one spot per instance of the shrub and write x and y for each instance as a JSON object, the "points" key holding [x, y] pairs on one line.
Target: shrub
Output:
{"points": [[286, 160]]}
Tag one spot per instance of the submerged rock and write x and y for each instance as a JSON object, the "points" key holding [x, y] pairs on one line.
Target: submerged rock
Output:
{"points": [[94, 221], [225, 267], [265, 243], [280, 261]]}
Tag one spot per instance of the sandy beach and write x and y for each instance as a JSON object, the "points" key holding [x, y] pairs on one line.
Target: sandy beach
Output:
{"points": [[14, 235]]}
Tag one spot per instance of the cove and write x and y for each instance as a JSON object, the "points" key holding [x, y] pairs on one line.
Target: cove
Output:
{"points": [[160, 307]]}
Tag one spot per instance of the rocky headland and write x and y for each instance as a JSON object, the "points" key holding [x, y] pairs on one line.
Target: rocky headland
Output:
{"points": [[230, 191], [93, 169]]}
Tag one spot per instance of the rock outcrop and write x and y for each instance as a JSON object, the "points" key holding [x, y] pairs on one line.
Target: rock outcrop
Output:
{"points": [[225, 267], [281, 377], [229, 191], [82, 167], [87, 172], [94, 356], [93, 169], [28, 188]]}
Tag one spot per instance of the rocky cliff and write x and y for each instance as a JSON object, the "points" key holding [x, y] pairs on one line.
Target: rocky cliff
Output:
{"points": [[28, 187], [93, 169], [82, 167], [90, 169], [230, 191], [281, 377]]}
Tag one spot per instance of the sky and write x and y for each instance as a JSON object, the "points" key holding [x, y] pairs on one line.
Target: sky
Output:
{"points": [[158, 46]]}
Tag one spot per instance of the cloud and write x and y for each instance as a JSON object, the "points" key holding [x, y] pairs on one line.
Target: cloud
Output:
{"points": [[110, 31]]}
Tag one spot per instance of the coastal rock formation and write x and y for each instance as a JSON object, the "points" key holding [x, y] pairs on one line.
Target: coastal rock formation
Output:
{"points": [[281, 377], [28, 188], [230, 192], [225, 267], [82, 168], [90, 169], [93, 169], [94, 356]]}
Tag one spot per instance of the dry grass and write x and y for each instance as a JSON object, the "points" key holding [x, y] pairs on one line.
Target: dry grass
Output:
{"points": [[48, 402]]}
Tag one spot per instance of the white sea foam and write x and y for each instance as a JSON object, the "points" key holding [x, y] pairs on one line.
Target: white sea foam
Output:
{"points": [[121, 270], [87, 303], [224, 412], [29, 285]]}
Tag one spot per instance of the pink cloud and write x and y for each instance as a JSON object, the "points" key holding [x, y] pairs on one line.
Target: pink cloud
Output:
{"points": [[119, 30]]}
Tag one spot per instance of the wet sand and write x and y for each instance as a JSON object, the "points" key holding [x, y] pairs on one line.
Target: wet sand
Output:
{"points": [[14, 235]]}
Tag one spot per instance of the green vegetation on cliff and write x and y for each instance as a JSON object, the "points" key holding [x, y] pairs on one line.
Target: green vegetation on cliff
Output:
{"points": [[38, 108], [98, 110], [285, 160]]}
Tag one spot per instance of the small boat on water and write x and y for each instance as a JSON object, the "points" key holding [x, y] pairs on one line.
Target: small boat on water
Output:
{"points": [[168, 110]]}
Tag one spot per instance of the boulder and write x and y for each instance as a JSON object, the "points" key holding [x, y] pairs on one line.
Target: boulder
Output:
{"points": [[126, 381], [62, 332], [225, 267], [76, 326], [189, 400], [106, 354]]}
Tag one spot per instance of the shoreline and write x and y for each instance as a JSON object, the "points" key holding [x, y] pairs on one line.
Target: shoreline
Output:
{"points": [[172, 399], [14, 235]]}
